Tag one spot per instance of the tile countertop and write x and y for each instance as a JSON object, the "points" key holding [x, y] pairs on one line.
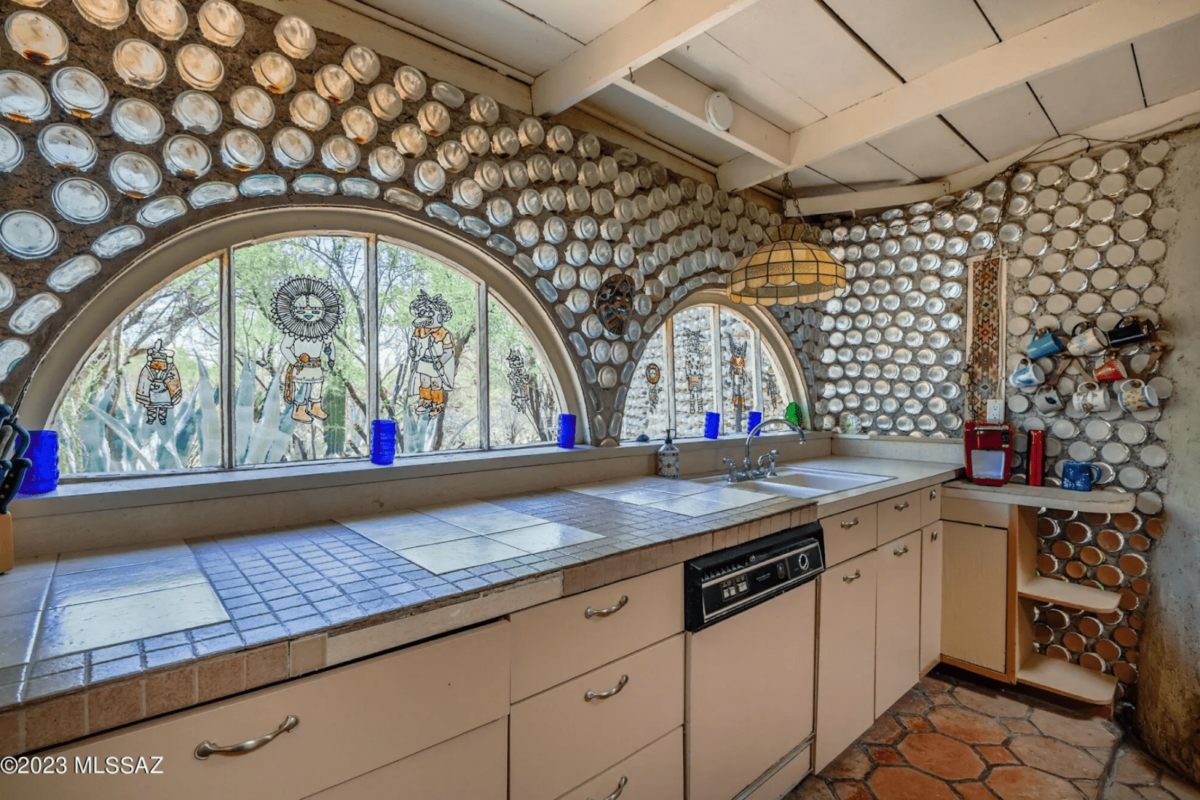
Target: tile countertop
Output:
{"points": [[96, 639]]}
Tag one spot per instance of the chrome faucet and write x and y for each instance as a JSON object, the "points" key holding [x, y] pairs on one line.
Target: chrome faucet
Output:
{"points": [[766, 462]]}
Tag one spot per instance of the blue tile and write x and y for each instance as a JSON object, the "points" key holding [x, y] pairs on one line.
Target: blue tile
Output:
{"points": [[413, 598], [444, 590], [332, 603], [115, 669], [212, 631], [238, 602], [344, 614], [349, 577], [279, 594], [388, 580], [456, 576], [287, 602], [274, 583], [471, 583], [239, 591], [335, 572], [250, 623], [521, 570], [113, 653], [370, 594], [425, 583], [308, 586], [304, 625], [269, 633], [252, 610], [171, 655], [399, 588], [322, 594], [296, 612], [228, 583], [375, 572], [163, 642]]}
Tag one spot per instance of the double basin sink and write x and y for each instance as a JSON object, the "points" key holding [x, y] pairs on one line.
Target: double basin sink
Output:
{"points": [[796, 481]]}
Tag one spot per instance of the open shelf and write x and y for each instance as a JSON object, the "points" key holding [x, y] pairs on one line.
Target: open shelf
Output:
{"points": [[1097, 501], [1065, 678], [1072, 595]]}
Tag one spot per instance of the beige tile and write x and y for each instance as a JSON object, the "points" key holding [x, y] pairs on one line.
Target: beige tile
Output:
{"points": [[170, 691], [308, 654], [55, 721], [22, 596], [117, 704], [220, 677], [267, 665], [10, 733]]}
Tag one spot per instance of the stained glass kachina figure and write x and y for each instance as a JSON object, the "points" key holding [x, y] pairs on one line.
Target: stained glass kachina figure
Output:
{"points": [[308, 311], [520, 380], [771, 387], [431, 353], [737, 377], [158, 386], [653, 374], [693, 366]]}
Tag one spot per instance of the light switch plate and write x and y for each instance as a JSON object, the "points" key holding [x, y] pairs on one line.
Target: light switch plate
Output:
{"points": [[995, 411]]}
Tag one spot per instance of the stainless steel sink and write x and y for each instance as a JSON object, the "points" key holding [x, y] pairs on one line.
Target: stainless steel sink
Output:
{"points": [[806, 482]]}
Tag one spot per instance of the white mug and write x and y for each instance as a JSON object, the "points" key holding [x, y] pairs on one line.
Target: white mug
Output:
{"points": [[1027, 374], [1089, 397], [1135, 395], [1088, 342], [1048, 400]]}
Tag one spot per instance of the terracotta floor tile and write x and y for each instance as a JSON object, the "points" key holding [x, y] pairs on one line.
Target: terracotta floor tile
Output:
{"points": [[1020, 726], [1177, 787], [990, 703], [941, 699], [1055, 757], [812, 788], [884, 731], [1155, 793], [1090, 789], [1119, 791], [932, 684], [1025, 783], [884, 755], [1135, 767], [1082, 732], [969, 726], [974, 791], [1101, 754], [852, 764], [903, 783], [941, 756], [910, 703], [851, 791], [995, 754], [915, 723]]}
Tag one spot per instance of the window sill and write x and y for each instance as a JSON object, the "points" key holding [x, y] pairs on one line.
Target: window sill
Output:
{"points": [[151, 490]]}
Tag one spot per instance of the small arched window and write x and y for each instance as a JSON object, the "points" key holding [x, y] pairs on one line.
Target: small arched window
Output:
{"points": [[705, 358], [285, 350]]}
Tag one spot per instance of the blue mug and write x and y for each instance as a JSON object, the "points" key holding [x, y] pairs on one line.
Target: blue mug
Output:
{"points": [[1078, 476], [1045, 343]]}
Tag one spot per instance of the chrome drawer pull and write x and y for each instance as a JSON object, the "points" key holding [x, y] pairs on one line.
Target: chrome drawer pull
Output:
{"points": [[933, 536], [850, 523], [207, 748], [850, 578], [933, 494], [590, 695], [901, 550], [604, 612], [620, 788], [901, 506]]}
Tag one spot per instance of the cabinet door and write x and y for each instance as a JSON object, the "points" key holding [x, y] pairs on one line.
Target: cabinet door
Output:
{"points": [[897, 620], [974, 594], [931, 505], [653, 773], [931, 595], [845, 656]]}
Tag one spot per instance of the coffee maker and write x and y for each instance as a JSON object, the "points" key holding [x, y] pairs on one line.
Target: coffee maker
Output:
{"points": [[989, 452]]}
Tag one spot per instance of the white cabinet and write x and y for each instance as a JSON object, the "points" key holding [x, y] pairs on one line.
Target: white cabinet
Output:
{"points": [[932, 543], [975, 595], [897, 620]]}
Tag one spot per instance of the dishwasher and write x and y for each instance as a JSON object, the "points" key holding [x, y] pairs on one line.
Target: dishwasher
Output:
{"points": [[750, 617]]}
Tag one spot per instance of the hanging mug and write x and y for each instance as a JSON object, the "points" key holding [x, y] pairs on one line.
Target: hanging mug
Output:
{"points": [[1087, 340], [1089, 397], [1045, 343], [1130, 331], [1078, 476], [1027, 374], [1048, 400], [1135, 395], [1111, 370]]}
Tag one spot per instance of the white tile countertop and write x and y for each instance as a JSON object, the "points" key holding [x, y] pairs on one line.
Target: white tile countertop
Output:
{"points": [[338, 590]]}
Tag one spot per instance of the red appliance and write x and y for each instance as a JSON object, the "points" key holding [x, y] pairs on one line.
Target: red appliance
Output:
{"points": [[989, 453], [1037, 454]]}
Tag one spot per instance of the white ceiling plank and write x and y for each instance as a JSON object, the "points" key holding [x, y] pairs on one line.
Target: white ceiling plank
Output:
{"points": [[864, 167], [584, 20], [928, 148], [916, 36], [1102, 87], [1170, 61], [664, 125], [637, 40], [1012, 17], [495, 29], [1061, 42], [678, 93], [715, 65], [804, 49], [1002, 122]]}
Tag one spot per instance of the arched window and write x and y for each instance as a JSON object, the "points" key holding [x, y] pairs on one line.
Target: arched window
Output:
{"points": [[284, 351], [704, 358]]}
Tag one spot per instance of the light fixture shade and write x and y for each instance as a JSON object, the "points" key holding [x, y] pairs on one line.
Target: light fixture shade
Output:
{"points": [[793, 268]]}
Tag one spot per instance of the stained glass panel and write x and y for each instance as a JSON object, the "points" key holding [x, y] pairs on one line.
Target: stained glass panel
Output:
{"points": [[738, 360], [148, 397], [775, 394], [523, 404], [693, 364], [647, 406]]}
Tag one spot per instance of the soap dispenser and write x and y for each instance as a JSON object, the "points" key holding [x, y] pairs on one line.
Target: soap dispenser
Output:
{"points": [[668, 458]]}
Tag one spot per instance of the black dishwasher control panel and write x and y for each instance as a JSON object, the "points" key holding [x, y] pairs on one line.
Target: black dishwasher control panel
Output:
{"points": [[720, 584]]}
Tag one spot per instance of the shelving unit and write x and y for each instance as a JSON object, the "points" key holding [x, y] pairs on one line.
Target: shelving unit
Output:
{"points": [[1067, 679]]}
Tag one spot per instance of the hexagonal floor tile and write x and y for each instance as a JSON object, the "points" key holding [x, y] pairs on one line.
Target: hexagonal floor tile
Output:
{"points": [[1058, 758], [851, 765], [941, 756], [905, 783], [1026, 783], [969, 726], [1082, 732], [994, 705]]}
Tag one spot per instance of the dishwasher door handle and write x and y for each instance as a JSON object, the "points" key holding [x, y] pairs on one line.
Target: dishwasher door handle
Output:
{"points": [[620, 788], [851, 578], [589, 695], [607, 612], [849, 523]]}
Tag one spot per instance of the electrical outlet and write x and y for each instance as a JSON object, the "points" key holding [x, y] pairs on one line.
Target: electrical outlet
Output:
{"points": [[995, 411]]}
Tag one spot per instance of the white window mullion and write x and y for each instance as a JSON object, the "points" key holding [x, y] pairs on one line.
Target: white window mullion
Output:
{"points": [[726, 425], [482, 361], [372, 333], [757, 373], [228, 364], [668, 371]]}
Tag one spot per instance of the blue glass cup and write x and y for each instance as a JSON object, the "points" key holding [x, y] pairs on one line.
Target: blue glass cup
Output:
{"points": [[753, 420], [566, 431], [712, 425], [42, 475], [1078, 476], [1045, 343], [383, 441]]}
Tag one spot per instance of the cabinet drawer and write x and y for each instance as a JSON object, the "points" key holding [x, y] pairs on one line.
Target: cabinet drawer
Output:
{"points": [[558, 641], [899, 516], [783, 781], [897, 620], [559, 738], [352, 720], [653, 773], [850, 534], [473, 765], [975, 512], [931, 505]]}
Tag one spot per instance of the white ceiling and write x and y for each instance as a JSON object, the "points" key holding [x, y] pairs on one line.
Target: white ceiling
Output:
{"points": [[793, 63]]}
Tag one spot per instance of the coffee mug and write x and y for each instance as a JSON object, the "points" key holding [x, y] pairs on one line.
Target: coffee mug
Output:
{"points": [[1089, 397], [1045, 343], [1111, 370], [1131, 330], [1135, 395], [1087, 340], [1048, 400], [1027, 374], [1078, 476]]}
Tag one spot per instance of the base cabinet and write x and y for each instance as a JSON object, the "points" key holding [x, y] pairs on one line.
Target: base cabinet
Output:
{"points": [[932, 544], [974, 594], [845, 656], [653, 773], [897, 620]]}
